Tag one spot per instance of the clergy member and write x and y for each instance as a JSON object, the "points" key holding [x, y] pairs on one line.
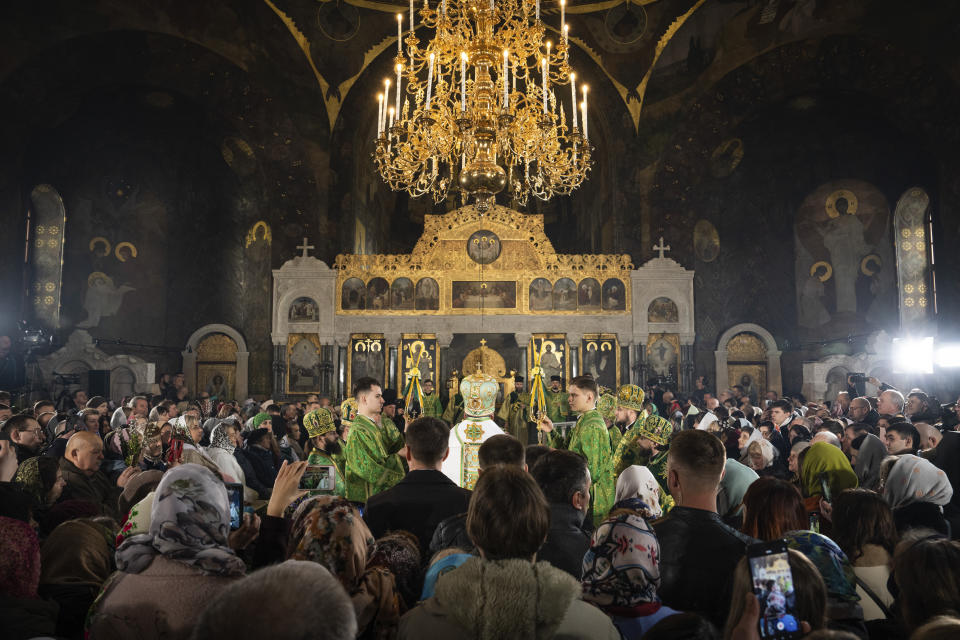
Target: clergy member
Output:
{"points": [[515, 411], [590, 439], [607, 406], [462, 465], [645, 442], [558, 407], [369, 468], [432, 407], [326, 445]]}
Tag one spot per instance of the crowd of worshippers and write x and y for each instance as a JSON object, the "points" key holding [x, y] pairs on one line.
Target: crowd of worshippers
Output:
{"points": [[116, 519]]}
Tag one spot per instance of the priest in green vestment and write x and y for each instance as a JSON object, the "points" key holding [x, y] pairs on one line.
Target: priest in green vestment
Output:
{"points": [[646, 441], [432, 407], [607, 406], [370, 468], [589, 438], [558, 406], [326, 447], [515, 412], [392, 437]]}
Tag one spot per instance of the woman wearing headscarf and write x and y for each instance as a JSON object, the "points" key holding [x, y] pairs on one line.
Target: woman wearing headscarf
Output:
{"points": [[167, 575], [151, 449], [42, 479], [76, 559], [223, 443], [843, 604], [621, 573], [137, 489], [748, 435], [328, 530], [23, 614], [761, 456], [183, 446], [866, 454], [736, 479], [637, 481], [824, 465], [916, 491]]}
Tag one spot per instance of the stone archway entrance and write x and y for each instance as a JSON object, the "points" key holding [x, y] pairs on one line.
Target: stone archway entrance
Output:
{"points": [[748, 352], [217, 350]]}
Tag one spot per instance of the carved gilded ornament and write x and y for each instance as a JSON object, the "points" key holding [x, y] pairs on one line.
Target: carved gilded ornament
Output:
{"points": [[746, 347], [441, 253], [217, 347]]}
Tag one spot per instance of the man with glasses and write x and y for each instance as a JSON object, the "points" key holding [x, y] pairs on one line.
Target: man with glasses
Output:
{"points": [[26, 435]]}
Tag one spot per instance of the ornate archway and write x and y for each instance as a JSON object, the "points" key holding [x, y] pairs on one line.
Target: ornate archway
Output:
{"points": [[774, 378], [190, 357]]}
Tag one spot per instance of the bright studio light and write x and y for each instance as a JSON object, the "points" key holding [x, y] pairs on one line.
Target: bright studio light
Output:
{"points": [[913, 355], [948, 355]]}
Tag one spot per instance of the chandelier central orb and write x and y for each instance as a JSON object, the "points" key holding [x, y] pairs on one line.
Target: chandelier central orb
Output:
{"points": [[477, 108]]}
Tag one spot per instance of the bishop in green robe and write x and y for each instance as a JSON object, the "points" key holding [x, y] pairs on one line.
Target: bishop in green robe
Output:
{"points": [[326, 447]]}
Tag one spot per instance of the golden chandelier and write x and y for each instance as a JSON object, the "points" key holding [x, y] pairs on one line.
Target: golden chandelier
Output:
{"points": [[439, 123]]}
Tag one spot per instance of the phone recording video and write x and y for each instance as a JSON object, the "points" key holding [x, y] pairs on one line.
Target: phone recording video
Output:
{"points": [[235, 497], [773, 585], [318, 479]]}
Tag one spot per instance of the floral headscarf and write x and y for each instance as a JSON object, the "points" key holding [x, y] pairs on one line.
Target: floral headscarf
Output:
{"points": [[181, 430], [151, 435], [189, 523], [138, 519], [621, 570], [219, 439], [638, 482], [914, 479], [19, 559], [28, 475], [831, 562], [329, 531]]}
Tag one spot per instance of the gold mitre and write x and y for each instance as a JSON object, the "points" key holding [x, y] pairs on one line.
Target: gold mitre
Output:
{"points": [[479, 391]]}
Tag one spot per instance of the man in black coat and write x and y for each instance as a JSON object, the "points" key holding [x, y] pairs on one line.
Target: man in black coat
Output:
{"points": [[425, 496], [698, 552], [565, 480]]}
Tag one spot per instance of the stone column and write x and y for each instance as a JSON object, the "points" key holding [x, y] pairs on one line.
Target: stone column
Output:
{"points": [[342, 391], [278, 369], [685, 375], [326, 369]]}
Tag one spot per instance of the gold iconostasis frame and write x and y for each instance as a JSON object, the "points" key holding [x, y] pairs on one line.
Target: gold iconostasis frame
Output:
{"points": [[406, 352], [560, 344], [525, 255], [602, 342]]}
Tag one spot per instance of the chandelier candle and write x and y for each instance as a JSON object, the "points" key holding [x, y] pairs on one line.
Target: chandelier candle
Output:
{"points": [[506, 78], [430, 84], [586, 134], [399, 34], [573, 93], [399, 71]]}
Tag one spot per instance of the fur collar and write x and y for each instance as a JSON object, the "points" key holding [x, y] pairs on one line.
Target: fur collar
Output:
{"points": [[507, 598]]}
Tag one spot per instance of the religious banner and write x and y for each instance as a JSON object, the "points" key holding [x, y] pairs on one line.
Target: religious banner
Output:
{"points": [[367, 358], [552, 350], [303, 363], [600, 357], [46, 255], [414, 347]]}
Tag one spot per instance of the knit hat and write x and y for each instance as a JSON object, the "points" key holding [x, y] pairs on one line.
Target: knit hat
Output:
{"points": [[657, 429], [259, 419], [607, 406], [631, 396], [319, 422]]}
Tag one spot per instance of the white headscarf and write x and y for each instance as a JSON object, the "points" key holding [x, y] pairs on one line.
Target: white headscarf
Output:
{"points": [[118, 419], [638, 482], [705, 422]]}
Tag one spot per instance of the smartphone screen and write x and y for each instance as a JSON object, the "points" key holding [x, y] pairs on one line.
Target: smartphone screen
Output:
{"points": [[235, 496], [319, 478], [773, 585]]}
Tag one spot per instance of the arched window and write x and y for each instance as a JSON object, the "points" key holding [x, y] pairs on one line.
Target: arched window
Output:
{"points": [[914, 259]]}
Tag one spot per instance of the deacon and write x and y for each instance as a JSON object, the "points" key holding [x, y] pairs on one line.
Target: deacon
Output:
{"points": [[326, 445], [370, 468], [392, 438], [432, 407], [454, 411], [558, 407], [462, 465], [589, 438]]}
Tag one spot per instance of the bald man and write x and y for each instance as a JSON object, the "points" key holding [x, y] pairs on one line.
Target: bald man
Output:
{"points": [[930, 436], [826, 436], [80, 466]]}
